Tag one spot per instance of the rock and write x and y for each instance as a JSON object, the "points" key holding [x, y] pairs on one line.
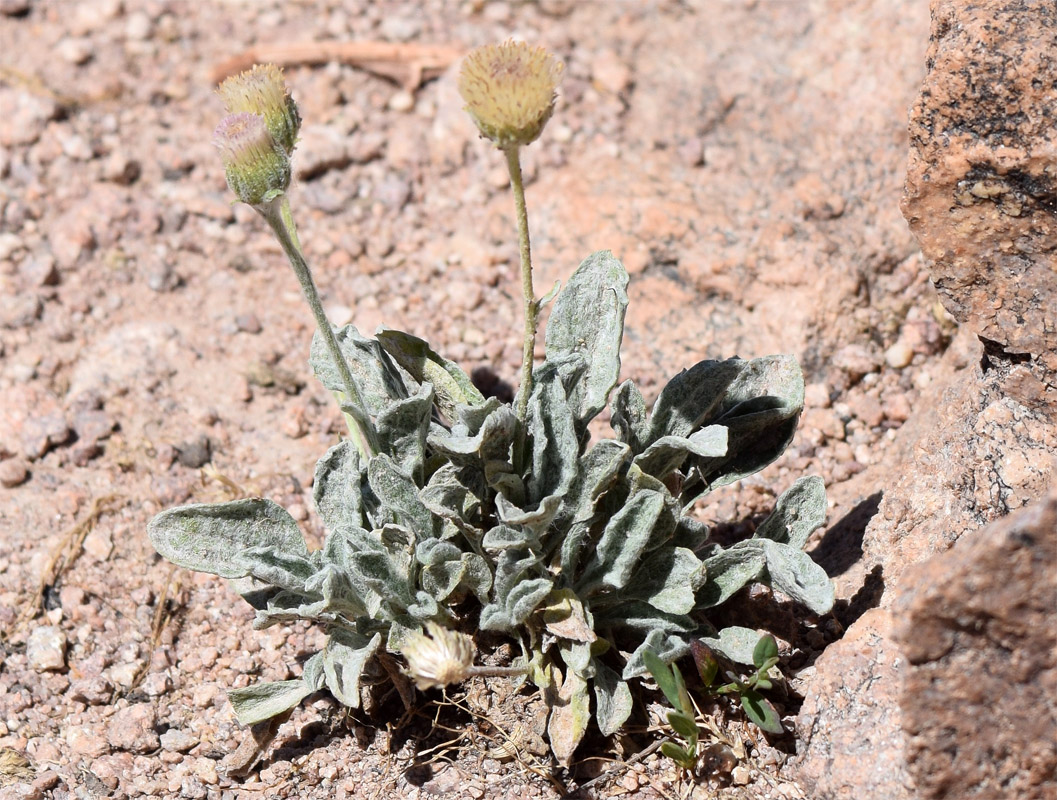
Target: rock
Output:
{"points": [[980, 183], [14, 8], [20, 310], [40, 434], [977, 629], [175, 740], [86, 740], [13, 472], [94, 691], [25, 116], [853, 746], [46, 648], [194, 453], [132, 729]]}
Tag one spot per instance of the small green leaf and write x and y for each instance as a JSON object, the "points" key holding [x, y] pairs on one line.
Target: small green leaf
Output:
{"points": [[665, 676], [766, 648], [263, 701], [685, 726], [760, 711], [684, 758]]}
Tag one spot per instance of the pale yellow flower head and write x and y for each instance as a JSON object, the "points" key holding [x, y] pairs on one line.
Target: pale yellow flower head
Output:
{"points": [[443, 657], [509, 90], [263, 91], [257, 168]]}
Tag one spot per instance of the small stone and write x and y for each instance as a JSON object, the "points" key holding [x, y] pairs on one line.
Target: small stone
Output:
{"points": [[609, 72], [177, 741], [162, 277], [138, 27], [86, 740], [132, 729], [20, 310], [195, 453], [402, 101], [157, 684], [40, 434], [94, 691], [46, 648], [10, 243], [393, 192], [124, 674], [98, 544], [206, 771], [13, 472], [14, 8], [248, 323], [39, 270], [899, 355], [817, 395], [91, 425], [740, 775], [75, 50]]}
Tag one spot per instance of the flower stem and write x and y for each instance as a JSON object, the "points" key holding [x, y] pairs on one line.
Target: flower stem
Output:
{"points": [[495, 672], [277, 214], [513, 161]]}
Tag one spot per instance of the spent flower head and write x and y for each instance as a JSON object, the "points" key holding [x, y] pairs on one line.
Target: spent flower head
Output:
{"points": [[509, 90], [257, 167], [443, 657], [263, 91]]}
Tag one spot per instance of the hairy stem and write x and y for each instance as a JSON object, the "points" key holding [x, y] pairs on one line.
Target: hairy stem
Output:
{"points": [[277, 214], [513, 161]]}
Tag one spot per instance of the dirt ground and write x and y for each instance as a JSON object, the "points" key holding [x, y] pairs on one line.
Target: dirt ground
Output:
{"points": [[744, 159]]}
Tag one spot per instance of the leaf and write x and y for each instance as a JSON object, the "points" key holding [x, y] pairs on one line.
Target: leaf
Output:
{"points": [[665, 676], [263, 701], [798, 513], [446, 568], [507, 537], [684, 758], [555, 444], [628, 417], [276, 568], [402, 430], [210, 537], [622, 542], [666, 646], [766, 649], [564, 615], [588, 320], [668, 453], [734, 643], [569, 718], [613, 701], [792, 572], [760, 711], [535, 519], [685, 726], [377, 379], [727, 571], [668, 579], [398, 496], [336, 487], [452, 386], [597, 472], [313, 672], [706, 661], [344, 658], [692, 398]]}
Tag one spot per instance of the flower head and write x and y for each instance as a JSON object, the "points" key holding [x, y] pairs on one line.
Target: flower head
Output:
{"points": [[257, 167], [263, 91], [434, 662], [509, 91]]}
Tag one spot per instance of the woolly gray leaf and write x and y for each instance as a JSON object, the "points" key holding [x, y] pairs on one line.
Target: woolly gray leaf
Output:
{"points": [[398, 497], [793, 573], [402, 429], [336, 488], [734, 643], [555, 444], [453, 387], [344, 658], [668, 579], [506, 537], [210, 537], [799, 511], [537, 519], [613, 703], [377, 378], [727, 571], [263, 701], [668, 453], [275, 567], [668, 647], [313, 675], [598, 471], [692, 398], [623, 540], [629, 418], [588, 319]]}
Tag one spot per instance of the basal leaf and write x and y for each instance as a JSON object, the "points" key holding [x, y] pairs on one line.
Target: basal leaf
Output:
{"points": [[263, 701], [555, 444], [799, 511], [629, 418], [666, 646], [668, 453], [344, 658], [734, 643], [336, 487], [622, 543], [569, 718], [588, 320], [402, 429], [728, 571], [210, 537], [668, 579], [792, 572], [613, 703], [398, 496]]}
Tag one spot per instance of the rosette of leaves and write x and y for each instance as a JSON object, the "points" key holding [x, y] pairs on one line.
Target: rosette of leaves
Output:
{"points": [[582, 551]]}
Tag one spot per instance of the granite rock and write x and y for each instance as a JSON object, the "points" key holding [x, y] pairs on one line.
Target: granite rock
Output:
{"points": [[978, 635], [981, 182]]}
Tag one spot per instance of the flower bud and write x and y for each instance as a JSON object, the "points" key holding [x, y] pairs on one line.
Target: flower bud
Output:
{"points": [[257, 168], [263, 91], [509, 91], [435, 662]]}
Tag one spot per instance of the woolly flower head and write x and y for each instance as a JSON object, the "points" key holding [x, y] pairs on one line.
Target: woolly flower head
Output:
{"points": [[509, 91], [256, 166], [263, 91], [439, 659]]}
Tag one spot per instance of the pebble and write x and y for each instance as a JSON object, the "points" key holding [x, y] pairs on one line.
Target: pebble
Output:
{"points": [[10, 243], [175, 740], [899, 355], [20, 310], [95, 690], [85, 740], [14, 8], [13, 472], [248, 323], [740, 775], [46, 648], [132, 729], [39, 270], [402, 101], [195, 453], [75, 50], [98, 544]]}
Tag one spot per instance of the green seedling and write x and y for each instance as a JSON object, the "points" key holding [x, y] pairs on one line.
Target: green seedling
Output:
{"points": [[683, 720], [757, 707], [451, 513]]}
